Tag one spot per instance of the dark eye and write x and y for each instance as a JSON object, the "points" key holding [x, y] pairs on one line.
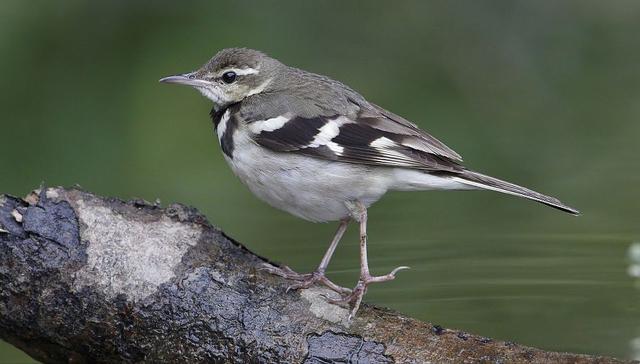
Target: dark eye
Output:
{"points": [[229, 77]]}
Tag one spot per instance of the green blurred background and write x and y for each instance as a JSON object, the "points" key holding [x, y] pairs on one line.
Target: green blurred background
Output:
{"points": [[541, 93]]}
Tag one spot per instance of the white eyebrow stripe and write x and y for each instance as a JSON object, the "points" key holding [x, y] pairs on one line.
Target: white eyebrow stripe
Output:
{"points": [[241, 71], [272, 124]]}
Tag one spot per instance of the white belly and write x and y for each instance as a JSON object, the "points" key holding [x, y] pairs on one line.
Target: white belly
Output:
{"points": [[315, 189], [310, 188]]}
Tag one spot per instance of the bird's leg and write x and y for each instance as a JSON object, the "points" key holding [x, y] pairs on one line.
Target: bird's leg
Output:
{"points": [[355, 297], [307, 280]]}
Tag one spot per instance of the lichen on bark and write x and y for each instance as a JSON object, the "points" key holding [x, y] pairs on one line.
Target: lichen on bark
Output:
{"points": [[91, 279]]}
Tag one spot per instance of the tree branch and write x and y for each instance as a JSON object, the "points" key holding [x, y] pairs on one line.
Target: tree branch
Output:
{"points": [[91, 279]]}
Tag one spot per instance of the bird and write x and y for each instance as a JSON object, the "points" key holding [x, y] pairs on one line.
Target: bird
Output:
{"points": [[314, 147]]}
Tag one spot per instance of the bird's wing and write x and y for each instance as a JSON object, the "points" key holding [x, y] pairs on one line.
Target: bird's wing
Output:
{"points": [[368, 135]]}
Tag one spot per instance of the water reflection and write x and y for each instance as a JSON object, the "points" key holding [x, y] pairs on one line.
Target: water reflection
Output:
{"points": [[634, 271], [634, 258], [560, 292], [635, 348]]}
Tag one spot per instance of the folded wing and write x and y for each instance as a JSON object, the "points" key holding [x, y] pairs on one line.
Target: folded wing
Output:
{"points": [[370, 136]]}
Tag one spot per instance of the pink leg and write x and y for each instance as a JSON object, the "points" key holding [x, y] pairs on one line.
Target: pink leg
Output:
{"points": [[355, 297], [307, 280]]}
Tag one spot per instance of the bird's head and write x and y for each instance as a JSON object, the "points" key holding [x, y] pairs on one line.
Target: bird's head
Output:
{"points": [[231, 75]]}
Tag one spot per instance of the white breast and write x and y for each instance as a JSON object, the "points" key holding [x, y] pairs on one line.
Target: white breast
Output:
{"points": [[310, 188]]}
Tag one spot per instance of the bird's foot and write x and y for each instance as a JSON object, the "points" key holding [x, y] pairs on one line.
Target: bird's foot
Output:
{"points": [[303, 280], [354, 299]]}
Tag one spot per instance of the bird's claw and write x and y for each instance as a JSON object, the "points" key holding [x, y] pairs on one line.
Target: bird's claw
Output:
{"points": [[303, 280], [354, 299], [283, 271]]}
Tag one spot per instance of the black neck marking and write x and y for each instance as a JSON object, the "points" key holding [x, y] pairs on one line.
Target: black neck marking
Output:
{"points": [[216, 116], [226, 139]]}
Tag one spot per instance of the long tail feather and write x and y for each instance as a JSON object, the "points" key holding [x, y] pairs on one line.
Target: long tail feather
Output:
{"points": [[489, 183]]}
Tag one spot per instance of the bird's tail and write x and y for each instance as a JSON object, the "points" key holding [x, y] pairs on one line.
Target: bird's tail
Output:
{"points": [[482, 181]]}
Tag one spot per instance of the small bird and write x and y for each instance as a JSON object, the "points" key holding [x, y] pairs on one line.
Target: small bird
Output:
{"points": [[315, 148]]}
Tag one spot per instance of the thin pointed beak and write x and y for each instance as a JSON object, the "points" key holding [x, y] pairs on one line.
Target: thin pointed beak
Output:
{"points": [[188, 79]]}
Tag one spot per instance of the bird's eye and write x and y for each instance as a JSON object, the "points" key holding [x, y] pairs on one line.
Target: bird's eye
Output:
{"points": [[229, 77]]}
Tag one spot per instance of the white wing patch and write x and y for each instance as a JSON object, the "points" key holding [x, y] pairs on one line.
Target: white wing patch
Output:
{"points": [[385, 145], [335, 147], [382, 143], [327, 132], [272, 124]]}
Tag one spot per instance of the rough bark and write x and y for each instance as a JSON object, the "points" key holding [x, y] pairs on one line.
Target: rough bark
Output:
{"points": [[91, 279]]}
